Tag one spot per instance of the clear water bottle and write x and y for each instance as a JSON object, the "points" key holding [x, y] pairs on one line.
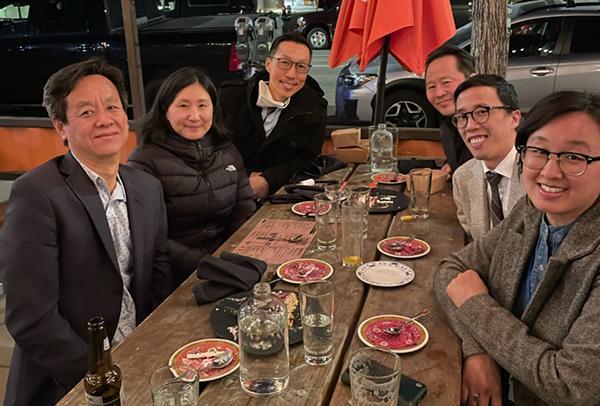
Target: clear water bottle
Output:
{"points": [[382, 150], [264, 345]]}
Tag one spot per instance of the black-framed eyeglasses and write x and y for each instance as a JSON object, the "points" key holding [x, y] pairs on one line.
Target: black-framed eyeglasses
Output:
{"points": [[479, 115], [286, 64], [571, 163]]}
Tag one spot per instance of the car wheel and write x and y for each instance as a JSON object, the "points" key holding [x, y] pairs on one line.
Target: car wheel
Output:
{"points": [[318, 38], [407, 108]]}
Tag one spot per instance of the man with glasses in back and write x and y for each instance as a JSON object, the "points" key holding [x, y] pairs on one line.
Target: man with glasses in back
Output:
{"points": [[277, 117], [486, 187]]}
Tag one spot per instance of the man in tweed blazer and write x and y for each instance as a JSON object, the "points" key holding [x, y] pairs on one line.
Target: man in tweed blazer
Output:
{"points": [[487, 118]]}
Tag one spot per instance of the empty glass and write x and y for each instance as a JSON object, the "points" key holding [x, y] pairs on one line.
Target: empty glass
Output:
{"points": [[352, 233], [361, 194], [374, 377], [175, 385], [326, 221], [420, 188]]}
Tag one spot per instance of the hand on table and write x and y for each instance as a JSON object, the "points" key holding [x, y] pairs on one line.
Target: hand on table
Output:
{"points": [[464, 286], [259, 185], [481, 384]]}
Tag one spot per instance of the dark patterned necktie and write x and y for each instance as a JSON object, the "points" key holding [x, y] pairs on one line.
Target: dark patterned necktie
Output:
{"points": [[496, 205]]}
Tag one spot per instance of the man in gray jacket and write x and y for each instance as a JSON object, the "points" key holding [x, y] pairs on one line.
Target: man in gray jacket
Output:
{"points": [[488, 186]]}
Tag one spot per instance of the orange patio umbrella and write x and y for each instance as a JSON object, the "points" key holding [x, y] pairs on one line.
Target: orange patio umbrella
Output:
{"points": [[408, 29]]}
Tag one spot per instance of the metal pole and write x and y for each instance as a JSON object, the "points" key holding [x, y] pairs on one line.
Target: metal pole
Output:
{"points": [[134, 61], [378, 116]]}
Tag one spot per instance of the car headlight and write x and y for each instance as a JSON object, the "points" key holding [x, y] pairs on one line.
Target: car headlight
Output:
{"points": [[355, 80]]}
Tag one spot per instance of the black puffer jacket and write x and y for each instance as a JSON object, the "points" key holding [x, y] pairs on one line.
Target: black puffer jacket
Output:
{"points": [[206, 191], [296, 139]]}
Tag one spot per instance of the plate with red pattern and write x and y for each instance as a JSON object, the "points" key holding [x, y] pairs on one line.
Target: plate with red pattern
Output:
{"points": [[389, 178], [304, 270], [307, 208], [403, 247], [411, 336], [201, 355]]}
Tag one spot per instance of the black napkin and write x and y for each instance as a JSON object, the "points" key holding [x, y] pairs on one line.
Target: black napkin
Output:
{"points": [[224, 276], [296, 193]]}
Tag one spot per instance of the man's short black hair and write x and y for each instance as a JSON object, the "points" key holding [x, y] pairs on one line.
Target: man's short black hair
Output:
{"points": [[290, 37], [505, 91], [464, 61]]}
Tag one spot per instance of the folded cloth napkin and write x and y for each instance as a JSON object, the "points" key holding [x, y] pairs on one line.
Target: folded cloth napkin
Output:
{"points": [[296, 193], [224, 276]]}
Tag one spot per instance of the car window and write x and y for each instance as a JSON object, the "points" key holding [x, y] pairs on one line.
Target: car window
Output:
{"points": [[534, 38], [14, 19], [586, 32]]}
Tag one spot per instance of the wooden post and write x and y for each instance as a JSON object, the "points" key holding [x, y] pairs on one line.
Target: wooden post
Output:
{"points": [[134, 61], [489, 45], [379, 116]]}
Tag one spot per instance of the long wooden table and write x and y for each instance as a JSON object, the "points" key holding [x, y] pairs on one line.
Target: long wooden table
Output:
{"points": [[179, 320]]}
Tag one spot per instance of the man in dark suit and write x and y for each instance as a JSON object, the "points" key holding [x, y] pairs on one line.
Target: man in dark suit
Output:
{"points": [[83, 237]]}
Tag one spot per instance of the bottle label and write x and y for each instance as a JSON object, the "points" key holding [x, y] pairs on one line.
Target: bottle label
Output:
{"points": [[99, 401], [106, 344]]}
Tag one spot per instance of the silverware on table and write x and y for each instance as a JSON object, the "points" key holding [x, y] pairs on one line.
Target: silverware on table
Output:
{"points": [[396, 330]]}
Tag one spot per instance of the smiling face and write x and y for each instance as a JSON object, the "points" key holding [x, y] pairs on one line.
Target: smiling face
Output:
{"points": [[490, 141], [564, 197], [441, 80], [191, 113], [285, 83], [96, 129]]}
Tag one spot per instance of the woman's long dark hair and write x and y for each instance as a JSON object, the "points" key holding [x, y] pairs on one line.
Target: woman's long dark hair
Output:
{"points": [[156, 127]]}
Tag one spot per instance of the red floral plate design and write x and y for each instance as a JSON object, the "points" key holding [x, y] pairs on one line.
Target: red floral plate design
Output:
{"points": [[389, 178], [307, 209], [412, 337], [198, 355], [304, 270], [403, 247]]}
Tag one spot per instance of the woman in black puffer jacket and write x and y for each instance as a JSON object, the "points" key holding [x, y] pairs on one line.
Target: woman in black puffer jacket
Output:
{"points": [[205, 185]]}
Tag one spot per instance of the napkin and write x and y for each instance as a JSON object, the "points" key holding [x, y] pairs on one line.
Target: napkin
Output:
{"points": [[296, 193], [226, 275]]}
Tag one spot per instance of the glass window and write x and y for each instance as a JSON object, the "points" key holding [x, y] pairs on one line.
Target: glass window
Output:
{"points": [[14, 20], [534, 38], [586, 32]]}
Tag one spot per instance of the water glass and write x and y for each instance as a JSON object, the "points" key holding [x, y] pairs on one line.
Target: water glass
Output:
{"points": [[326, 221], [316, 308], [352, 233], [375, 377], [362, 194], [420, 188], [175, 385]]}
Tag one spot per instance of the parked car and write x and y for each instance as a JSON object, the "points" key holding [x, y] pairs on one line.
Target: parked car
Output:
{"points": [[552, 47], [318, 26]]}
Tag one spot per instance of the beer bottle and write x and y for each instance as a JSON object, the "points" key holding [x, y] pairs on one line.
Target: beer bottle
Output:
{"points": [[102, 381]]}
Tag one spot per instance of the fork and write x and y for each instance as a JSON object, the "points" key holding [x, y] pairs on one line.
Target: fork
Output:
{"points": [[397, 246], [396, 330]]}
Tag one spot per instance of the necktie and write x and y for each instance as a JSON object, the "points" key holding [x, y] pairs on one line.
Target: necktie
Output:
{"points": [[493, 179]]}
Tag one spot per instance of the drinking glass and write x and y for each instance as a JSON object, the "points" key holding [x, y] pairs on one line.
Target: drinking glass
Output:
{"points": [[326, 221], [420, 188], [336, 193], [316, 308], [374, 377], [175, 385], [352, 233], [361, 194]]}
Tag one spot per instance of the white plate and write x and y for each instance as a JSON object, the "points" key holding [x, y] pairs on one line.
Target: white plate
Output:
{"points": [[301, 208], [389, 178], [363, 334], [386, 274], [209, 344]]}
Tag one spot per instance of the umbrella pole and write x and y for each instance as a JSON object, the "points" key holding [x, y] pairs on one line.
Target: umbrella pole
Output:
{"points": [[378, 116]]}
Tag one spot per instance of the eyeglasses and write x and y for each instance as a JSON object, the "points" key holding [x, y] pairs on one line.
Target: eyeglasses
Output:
{"points": [[286, 64], [479, 115], [571, 163]]}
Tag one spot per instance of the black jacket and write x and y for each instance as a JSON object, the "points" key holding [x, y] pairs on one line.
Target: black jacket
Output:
{"points": [[296, 139], [455, 148], [206, 191]]}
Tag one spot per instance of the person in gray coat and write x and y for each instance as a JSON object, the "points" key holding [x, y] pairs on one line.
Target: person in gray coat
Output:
{"points": [[205, 184], [525, 298]]}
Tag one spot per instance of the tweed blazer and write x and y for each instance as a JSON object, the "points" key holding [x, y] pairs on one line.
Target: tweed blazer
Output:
{"points": [[553, 350], [470, 195]]}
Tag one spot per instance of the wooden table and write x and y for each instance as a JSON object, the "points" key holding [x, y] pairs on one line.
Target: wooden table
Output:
{"points": [[179, 320]]}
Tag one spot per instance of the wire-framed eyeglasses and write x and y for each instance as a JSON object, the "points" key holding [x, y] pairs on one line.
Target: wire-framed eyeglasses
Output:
{"points": [[479, 115], [571, 163], [286, 64]]}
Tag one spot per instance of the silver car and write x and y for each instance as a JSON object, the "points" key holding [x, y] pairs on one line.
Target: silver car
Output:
{"points": [[553, 46]]}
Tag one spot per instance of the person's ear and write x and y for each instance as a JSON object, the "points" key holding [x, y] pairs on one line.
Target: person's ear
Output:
{"points": [[60, 129]]}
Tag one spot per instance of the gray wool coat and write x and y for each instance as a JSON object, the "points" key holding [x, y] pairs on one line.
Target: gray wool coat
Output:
{"points": [[553, 351]]}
